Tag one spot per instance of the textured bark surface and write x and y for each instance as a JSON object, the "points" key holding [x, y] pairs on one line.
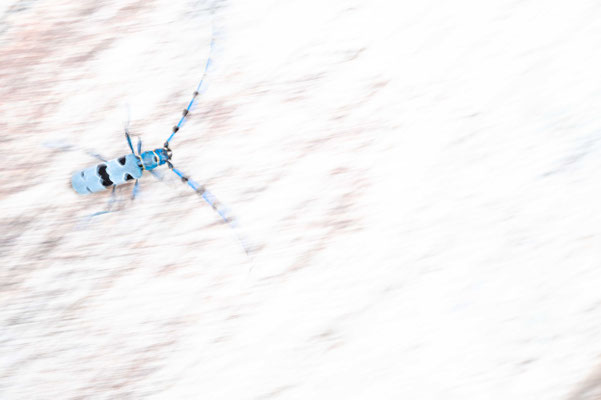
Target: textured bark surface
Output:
{"points": [[420, 182]]}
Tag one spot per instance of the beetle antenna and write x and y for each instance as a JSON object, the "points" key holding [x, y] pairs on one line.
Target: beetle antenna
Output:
{"points": [[199, 88]]}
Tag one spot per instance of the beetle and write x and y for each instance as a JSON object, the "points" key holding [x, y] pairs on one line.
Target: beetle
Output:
{"points": [[119, 171]]}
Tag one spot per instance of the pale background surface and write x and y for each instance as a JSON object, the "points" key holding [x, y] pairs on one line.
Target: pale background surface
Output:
{"points": [[421, 180]]}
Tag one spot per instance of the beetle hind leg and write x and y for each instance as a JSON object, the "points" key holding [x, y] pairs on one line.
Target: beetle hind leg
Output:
{"points": [[109, 208], [109, 205]]}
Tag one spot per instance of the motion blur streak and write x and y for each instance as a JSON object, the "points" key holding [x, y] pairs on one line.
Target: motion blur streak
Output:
{"points": [[420, 181]]}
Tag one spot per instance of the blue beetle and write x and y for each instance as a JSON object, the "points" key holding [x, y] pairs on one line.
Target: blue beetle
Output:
{"points": [[123, 169], [130, 167]]}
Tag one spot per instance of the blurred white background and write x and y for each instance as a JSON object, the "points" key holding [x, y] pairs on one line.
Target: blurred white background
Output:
{"points": [[419, 180]]}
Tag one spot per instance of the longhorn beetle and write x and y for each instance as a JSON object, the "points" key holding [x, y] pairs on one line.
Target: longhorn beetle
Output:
{"points": [[131, 167]]}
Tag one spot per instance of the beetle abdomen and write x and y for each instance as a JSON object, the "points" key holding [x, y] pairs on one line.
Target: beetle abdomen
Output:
{"points": [[102, 176]]}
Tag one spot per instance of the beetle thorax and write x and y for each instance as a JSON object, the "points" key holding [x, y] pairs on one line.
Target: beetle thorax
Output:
{"points": [[151, 159]]}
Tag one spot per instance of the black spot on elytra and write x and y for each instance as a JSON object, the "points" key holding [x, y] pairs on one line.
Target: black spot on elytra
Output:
{"points": [[128, 177], [106, 180], [121, 160]]}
